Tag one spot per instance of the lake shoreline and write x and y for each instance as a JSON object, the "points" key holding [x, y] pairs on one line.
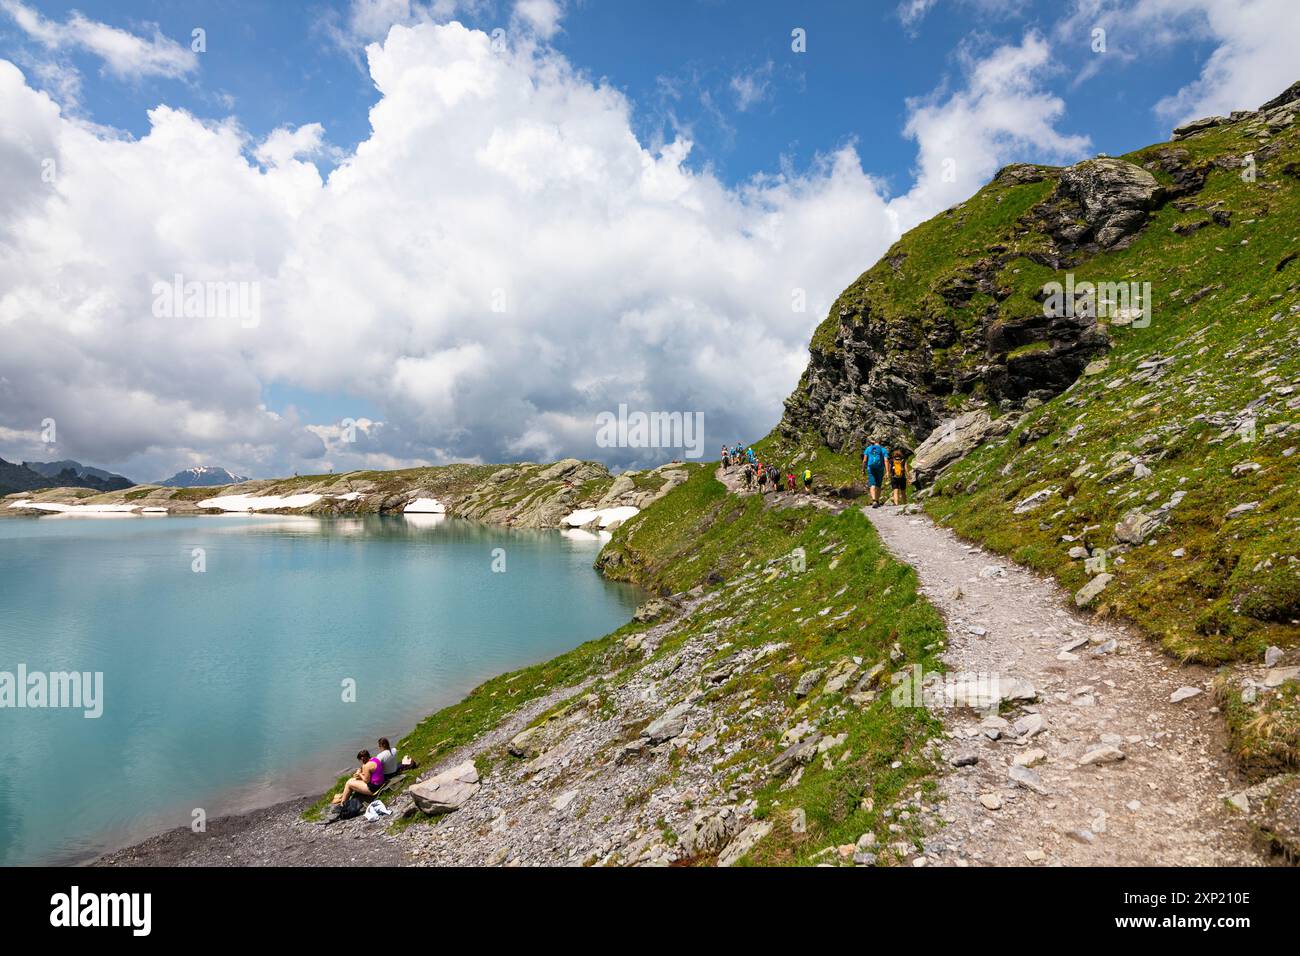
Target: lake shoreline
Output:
{"points": [[274, 835], [305, 770]]}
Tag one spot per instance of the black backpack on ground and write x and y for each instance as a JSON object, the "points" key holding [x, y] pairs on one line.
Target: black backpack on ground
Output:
{"points": [[353, 806]]}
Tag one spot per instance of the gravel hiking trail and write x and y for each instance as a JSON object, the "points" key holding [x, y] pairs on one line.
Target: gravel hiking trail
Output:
{"points": [[1102, 767]]}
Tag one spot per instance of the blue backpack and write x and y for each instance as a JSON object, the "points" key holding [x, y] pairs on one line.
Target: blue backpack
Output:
{"points": [[875, 457]]}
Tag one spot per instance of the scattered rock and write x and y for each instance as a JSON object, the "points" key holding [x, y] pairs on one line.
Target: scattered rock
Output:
{"points": [[1030, 758], [668, 726], [1100, 755], [744, 842], [1086, 594], [807, 681], [1029, 779]]}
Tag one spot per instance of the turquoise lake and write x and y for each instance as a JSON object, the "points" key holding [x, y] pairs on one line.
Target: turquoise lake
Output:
{"points": [[223, 688]]}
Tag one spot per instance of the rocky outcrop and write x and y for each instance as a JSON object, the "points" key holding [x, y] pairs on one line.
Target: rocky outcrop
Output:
{"points": [[953, 440], [1198, 126], [894, 374], [1099, 204]]}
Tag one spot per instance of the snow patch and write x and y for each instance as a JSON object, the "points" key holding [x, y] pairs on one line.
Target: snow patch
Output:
{"points": [[258, 502], [74, 509], [424, 506], [604, 516]]}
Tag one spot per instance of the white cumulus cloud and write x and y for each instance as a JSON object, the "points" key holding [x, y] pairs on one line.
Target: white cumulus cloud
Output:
{"points": [[500, 260], [124, 53]]}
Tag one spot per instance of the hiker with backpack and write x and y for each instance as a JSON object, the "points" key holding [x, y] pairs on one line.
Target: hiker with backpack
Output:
{"points": [[874, 458], [807, 479], [898, 476]]}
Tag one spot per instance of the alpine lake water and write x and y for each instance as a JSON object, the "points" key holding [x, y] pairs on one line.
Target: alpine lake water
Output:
{"points": [[231, 647]]}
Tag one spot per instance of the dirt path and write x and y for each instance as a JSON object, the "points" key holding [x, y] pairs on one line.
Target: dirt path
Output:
{"points": [[1160, 803]]}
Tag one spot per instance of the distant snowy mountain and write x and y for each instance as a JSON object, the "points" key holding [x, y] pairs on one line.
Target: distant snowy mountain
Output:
{"points": [[204, 476]]}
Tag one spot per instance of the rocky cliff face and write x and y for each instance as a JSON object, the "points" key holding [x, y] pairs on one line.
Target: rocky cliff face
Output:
{"points": [[952, 320]]}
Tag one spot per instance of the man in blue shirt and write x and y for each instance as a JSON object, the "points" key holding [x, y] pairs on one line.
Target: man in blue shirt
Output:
{"points": [[874, 457]]}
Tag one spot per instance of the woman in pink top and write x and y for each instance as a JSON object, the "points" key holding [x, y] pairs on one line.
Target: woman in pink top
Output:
{"points": [[366, 781]]}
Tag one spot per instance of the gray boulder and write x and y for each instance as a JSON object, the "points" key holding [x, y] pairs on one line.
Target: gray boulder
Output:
{"points": [[447, 791], [653, 610], [1198, 125], [954, 440], [670, 725], [1135, 527], [1115, 197]]}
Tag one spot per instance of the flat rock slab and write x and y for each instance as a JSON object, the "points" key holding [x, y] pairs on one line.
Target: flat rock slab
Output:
{"points": [[447, 791]]}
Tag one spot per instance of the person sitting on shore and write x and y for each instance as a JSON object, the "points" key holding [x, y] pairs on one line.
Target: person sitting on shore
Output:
{"points": [[368, 778], [387, 758]]}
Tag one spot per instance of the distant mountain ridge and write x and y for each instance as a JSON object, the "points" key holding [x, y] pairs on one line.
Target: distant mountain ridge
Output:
{"points": [[202, 476], [35, 475]]}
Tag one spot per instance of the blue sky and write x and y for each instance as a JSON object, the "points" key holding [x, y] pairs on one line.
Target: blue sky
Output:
{"points": [[273, 64], [753, 171]]}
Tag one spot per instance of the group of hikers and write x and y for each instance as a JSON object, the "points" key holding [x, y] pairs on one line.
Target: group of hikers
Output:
{"points": [[877, 463], [761, 475], [373, 771]]}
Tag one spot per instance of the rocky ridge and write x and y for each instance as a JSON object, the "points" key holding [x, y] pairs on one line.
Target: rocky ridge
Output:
{"points": [[524, 495]]}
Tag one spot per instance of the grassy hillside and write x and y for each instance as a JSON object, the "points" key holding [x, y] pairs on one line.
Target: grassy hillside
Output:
{"points": [[1198, 398], [838, 605], [1171, 461], [1204, 401]]}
